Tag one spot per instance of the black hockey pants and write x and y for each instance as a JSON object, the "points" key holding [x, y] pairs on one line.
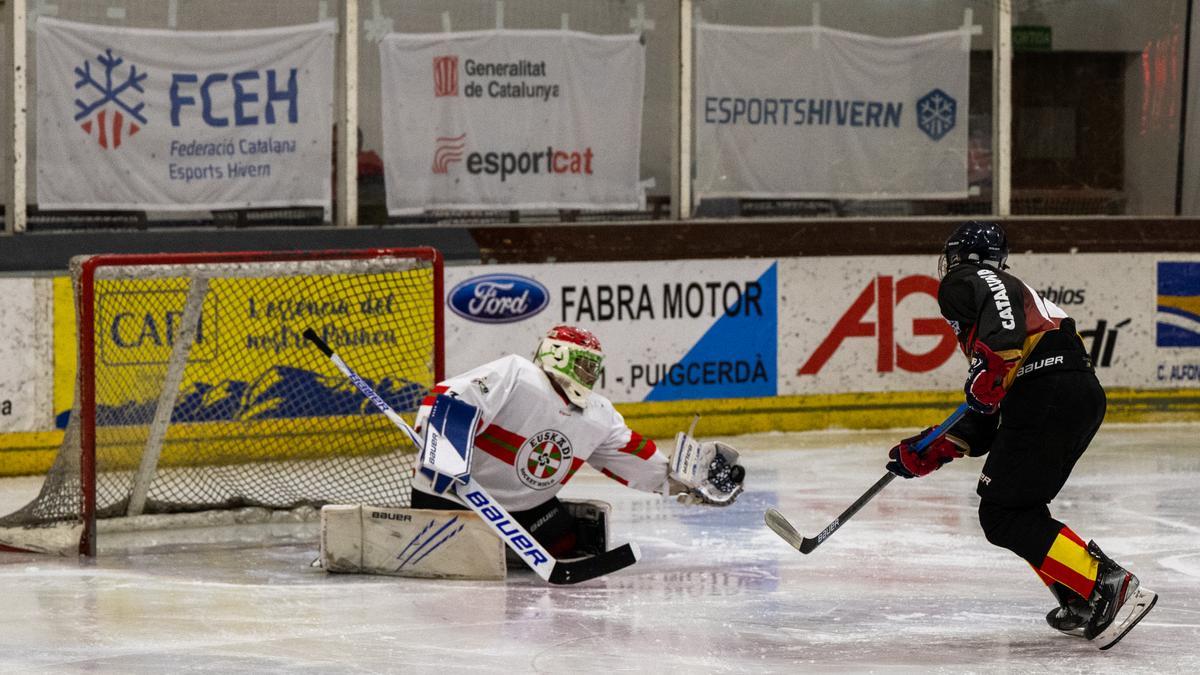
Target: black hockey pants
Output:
{"points": [[1046, 423]]}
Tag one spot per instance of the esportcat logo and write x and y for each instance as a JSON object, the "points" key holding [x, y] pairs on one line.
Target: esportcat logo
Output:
{"points": [[447, 149], [552, 160]]}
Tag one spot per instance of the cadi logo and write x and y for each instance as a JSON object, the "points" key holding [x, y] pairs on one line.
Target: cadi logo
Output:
{"points": [[498, 298], [884, 294], [104, 115]]}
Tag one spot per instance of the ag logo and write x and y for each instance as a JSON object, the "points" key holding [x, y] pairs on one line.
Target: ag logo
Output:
{"points": [[882, 296], [936, 114], [544, 459]]}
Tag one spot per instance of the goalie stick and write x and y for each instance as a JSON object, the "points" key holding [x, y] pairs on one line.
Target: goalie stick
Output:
{"points": [[780, 525], [496, 516]]}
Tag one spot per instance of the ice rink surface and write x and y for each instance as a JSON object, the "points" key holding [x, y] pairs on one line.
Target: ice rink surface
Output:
{"points": [[908, 585]]}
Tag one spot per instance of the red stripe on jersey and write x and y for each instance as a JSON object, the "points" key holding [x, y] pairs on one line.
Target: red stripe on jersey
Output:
{"points": [[1035, 321], [499, 443], [497, 452], [500, 451], [642, 448], [614, 476], [575, 464], [439, 389], [504, 436]]}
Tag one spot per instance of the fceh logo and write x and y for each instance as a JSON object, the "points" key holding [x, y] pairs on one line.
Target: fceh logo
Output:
{"points": [[498, 298], [884, 294], [445, 76], [111, 100]]}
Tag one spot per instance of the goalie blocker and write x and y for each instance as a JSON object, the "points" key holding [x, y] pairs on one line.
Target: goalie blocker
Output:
{"points": [[433, 543]]}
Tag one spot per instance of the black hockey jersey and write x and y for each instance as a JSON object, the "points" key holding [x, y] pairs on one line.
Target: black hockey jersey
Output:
{"points": [[991, 306], [984, 304]]}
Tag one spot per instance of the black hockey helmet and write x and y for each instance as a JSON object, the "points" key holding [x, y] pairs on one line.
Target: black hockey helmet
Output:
{"points": [[975, 240]]}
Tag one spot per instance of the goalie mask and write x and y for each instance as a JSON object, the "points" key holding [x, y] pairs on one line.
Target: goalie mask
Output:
{"points": [[573, 359]]}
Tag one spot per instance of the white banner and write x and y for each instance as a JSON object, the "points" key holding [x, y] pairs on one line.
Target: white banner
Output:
{"points": [[173, 120], [27, 355], [811, 113], [512, 119], [872, 323], [671, 330]]}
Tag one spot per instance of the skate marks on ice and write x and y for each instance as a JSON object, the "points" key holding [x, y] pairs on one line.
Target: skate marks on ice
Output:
{"points": [[908, 585]]}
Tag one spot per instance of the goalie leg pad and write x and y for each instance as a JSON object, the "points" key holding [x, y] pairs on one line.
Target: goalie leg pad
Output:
{"points": [[426, 543]]}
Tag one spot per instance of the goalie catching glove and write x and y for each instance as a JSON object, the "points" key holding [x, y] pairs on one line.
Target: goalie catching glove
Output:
{"points": [[704, 473]]}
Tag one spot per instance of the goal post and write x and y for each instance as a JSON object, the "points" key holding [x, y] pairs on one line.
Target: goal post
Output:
{"points": [[196, 391]]}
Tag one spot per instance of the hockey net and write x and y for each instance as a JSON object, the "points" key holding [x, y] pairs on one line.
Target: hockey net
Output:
{"points": [[197, 393]]}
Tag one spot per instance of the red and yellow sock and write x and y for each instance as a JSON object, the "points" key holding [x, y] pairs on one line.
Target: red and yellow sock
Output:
{"points": [[1069, 563]]}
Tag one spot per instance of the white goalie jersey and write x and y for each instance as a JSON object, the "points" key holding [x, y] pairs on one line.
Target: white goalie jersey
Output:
{"points": [[531, 441]]}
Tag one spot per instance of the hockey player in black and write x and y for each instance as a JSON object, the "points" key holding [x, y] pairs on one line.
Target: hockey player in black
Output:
{"points": [[1035, 404]]}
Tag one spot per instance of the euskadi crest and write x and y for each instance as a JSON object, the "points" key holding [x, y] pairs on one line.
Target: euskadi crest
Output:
{"points": [[544, 459], [937, 113], [112, 110]]}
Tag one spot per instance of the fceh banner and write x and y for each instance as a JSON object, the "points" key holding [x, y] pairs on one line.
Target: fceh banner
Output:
{"points": [[132, 118], [813, 113], [670, 330], [512, 119]]}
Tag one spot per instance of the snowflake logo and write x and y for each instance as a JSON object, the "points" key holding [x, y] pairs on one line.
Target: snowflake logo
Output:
{"points": [[936, 114], [98, 115]]}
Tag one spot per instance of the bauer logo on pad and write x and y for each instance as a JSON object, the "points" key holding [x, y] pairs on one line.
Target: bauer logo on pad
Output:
{"points": [[450, 437]]}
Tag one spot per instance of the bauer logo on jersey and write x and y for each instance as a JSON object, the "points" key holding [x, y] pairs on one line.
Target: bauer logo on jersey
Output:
{"points": [[544, 459], [498, 298]]}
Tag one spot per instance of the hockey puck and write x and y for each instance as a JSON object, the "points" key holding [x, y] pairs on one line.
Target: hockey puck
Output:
{"points": [[737, 473]]}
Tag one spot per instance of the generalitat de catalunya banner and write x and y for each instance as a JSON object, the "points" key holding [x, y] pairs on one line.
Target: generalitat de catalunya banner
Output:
{"points": [[512, 119], [179, 120], [810, 113]]}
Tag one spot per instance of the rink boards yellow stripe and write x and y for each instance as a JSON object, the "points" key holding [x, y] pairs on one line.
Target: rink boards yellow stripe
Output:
{"points": [[32, 453]]}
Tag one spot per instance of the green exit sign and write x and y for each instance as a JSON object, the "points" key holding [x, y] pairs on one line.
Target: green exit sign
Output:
{"points": [[1031, 38]]}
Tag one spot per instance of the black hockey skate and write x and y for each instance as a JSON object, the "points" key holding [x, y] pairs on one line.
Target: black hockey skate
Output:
{"points": [[1072, 614], [1118, 603]]}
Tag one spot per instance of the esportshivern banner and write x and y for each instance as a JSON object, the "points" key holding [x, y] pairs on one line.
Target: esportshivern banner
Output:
{"points": [[512, 119], [178, 120], [816, 113]]}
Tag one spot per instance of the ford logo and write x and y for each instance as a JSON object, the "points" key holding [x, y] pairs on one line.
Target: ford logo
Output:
{"points": [[498, 298]]}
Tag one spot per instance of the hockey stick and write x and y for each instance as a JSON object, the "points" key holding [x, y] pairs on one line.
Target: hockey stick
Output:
{"points": [[496, 516], [780, 525]]}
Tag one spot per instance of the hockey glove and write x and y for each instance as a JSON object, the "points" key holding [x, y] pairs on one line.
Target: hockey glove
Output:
{"points": [[717, 476], [985, 380], [908, 463]]}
